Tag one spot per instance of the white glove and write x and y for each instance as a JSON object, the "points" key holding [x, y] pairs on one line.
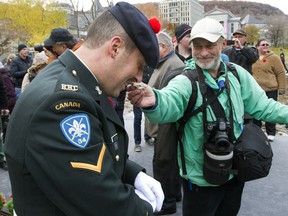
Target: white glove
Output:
{"points": [[150, 188], [142, 196]]}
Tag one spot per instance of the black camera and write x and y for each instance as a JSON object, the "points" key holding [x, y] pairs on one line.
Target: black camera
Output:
{"points": [[230, 42], [218, 152], [217, 136]]}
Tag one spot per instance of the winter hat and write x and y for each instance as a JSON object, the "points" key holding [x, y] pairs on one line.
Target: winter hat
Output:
{"points": [[58, 35], [39, 61], [21, 46], [38, 48], [208, 29], [181, 31]]}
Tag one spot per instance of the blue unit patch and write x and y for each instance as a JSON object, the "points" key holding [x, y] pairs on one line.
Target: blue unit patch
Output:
{"points": [[76, 129]]}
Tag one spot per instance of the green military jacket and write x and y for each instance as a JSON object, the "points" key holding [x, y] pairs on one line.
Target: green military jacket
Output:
{"points": [[67, 149]]}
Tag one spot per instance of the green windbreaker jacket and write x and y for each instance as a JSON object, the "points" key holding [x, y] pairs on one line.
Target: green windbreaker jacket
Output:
{"points": [[246, 96]]}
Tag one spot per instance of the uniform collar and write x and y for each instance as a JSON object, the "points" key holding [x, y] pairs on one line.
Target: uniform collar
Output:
{"points": [[80, 70]]}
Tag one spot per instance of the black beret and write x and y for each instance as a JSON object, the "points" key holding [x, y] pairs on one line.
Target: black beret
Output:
{"points": [[137, 26], [58, 35]]}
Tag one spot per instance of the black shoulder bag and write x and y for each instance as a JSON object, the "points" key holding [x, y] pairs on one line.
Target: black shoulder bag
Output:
{"points": [[253, 154]]}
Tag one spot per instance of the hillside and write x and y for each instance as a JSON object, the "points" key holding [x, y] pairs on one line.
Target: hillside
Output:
{"points": [[241, 8]]}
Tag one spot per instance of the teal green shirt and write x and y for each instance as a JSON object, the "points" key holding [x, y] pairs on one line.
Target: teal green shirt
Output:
{"points": [[247, 97]]}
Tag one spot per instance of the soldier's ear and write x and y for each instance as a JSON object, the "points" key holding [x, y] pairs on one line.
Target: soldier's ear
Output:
{"points": [[115, 45]]}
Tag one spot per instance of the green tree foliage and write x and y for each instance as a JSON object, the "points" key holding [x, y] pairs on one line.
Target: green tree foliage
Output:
{"points": [[29, 21], [252, 32]]}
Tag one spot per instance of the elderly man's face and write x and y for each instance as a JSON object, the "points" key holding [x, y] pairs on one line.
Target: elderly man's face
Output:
{"points": [[240, 40], [206, 54]]}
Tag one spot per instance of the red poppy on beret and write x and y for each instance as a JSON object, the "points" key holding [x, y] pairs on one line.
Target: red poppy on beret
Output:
{"points": [[155, 24]]}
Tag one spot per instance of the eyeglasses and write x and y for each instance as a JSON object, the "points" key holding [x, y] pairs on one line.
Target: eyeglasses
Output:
{"points": [[264, 44]]}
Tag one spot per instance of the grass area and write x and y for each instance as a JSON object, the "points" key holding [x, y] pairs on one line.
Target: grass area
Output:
{"points": [[276, 50]]}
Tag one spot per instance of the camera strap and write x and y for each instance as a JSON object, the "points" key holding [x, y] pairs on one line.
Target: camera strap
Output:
{"points": [[210, 98], [207, 100]]}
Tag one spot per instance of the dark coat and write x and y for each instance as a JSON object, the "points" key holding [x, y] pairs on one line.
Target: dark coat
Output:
{"points": [[3, 96], [18, 69], [10, 90], [244, 57], [61, 166]]}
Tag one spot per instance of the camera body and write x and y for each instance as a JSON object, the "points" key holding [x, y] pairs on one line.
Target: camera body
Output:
{"points": [[230, 42], [218, 152], [217, 136]]}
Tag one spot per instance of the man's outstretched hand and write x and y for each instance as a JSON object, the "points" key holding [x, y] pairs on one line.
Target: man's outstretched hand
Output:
{"points": [[141, 97]]}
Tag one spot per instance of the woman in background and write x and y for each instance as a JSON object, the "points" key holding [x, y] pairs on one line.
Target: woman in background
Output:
{"points": [[269, 72], [39, 63], [9, 60]]}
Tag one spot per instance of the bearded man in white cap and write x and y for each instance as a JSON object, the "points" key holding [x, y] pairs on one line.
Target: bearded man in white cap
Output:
{"points": [[205, 191]]}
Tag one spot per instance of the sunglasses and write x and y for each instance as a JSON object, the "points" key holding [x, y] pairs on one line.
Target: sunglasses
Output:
{"points": [[264, 44]]}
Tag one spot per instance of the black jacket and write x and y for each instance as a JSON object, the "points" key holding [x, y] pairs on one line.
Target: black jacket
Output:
{"points": [[244, 57], [18, 69], [70, 153], [10, 90], [3, 96]]}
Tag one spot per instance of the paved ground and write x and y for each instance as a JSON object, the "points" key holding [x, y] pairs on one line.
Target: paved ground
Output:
{"points": [[265, 197]]}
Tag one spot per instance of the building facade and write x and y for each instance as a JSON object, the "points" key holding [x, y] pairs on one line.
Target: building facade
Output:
{"points": [[181, 11], [230, 22]]}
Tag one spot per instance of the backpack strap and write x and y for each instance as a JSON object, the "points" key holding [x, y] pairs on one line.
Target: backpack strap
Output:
{"points": [[189, 112], [233, 70]]}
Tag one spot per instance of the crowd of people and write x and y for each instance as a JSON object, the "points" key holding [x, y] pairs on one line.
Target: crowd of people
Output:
{"points": [[73, 93]]}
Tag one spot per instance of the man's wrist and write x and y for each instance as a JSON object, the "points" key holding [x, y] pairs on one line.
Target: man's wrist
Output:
{"points": [[150, 107]]}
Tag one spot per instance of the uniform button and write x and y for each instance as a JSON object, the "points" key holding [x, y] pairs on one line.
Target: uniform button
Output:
{"points": [[117, 157], [97, 88], [74, 73]]}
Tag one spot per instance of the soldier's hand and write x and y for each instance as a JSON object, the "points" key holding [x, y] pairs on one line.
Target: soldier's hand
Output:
{"points": [[151, 189], [142, 196], [5, 112]]}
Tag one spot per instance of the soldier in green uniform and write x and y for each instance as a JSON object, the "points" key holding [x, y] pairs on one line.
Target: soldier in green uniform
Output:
{"points": [[66, 147]]}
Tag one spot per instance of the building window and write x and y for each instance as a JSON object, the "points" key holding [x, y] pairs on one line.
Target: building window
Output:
{"points": [[232, 27]]}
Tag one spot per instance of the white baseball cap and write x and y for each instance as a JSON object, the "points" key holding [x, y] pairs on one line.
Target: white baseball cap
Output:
{"points": [[207, 28]]}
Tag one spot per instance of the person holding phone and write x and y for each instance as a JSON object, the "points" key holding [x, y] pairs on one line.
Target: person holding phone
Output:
{"points": [[239, 53]]}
